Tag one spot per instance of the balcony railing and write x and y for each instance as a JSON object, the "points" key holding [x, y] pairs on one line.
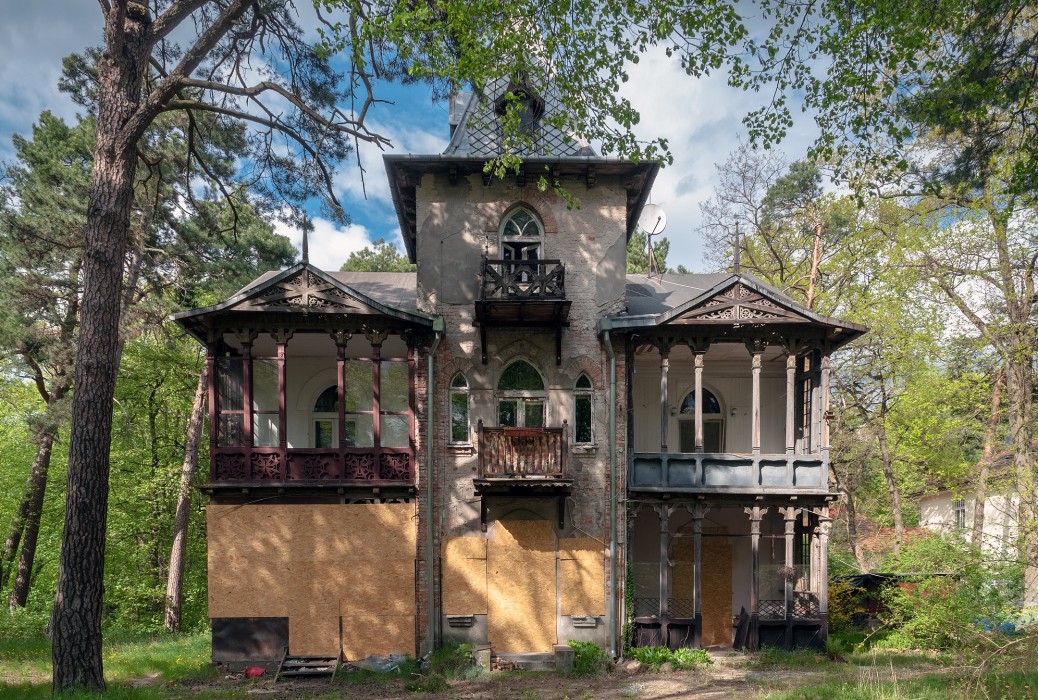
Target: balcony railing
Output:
{"points": [[265, 466], [522, 453], [523, 279], [692, 472]]}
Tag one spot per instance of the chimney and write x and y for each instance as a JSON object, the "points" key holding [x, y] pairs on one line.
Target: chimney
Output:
{"points": [[458, 102]]}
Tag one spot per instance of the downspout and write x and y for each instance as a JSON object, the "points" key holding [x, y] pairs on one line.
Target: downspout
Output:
{"points": [[430, 569], [612, 493]]}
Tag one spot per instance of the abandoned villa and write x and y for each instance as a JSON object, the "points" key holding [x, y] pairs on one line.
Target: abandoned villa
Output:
{"points": [[520, 444]]}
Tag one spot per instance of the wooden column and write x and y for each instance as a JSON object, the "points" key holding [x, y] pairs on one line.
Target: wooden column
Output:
{"points": [[816, 404], [376, 338], [246, 336], [341, 338], [214, 426], [824, 415], [789, 515], [791, 386], [281, 338], [698, 512], [824, 524], [664, 348], [756, 513], [664, 513], [756, 348], [700, 362]]}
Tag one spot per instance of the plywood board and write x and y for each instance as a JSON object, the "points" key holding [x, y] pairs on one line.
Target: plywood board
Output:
{"points": [[464, 563], [364, 634], [521, 586], [581, 576], [717, 591], [314, 563]]}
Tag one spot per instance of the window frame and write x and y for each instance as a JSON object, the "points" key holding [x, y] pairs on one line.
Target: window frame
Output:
{"points": [[587, 393], [455, 390], [525, 242], [717, 418], [522, 397]]}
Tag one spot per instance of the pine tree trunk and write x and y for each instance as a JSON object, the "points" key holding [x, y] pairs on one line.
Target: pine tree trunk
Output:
{"points": [[1019, 385], [981, 494], [14, 535], [76, 621], [175, 582], [36, 489]]}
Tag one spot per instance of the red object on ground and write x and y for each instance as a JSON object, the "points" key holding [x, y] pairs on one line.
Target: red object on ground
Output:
{"points": [[254, 671]]}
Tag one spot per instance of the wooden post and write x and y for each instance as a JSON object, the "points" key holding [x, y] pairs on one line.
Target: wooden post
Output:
{"points": [[700, 361], [246, 336], [824, 524], [698, 512], [756, 513], [664, 371], [789, 514], [791, 372], [824, 411], [214, 426], [341, 338], [756, 348], [664, 513], [281, 338], [816, 404]]}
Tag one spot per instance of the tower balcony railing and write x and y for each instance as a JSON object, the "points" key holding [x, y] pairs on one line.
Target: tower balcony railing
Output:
{"points": [[523, 280]]}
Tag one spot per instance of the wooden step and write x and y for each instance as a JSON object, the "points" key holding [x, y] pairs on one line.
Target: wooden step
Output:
{"points": [[324, 665], [532, 661]]}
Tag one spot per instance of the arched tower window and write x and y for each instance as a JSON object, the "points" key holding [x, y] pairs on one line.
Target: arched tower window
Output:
{"points": [[521, 236], [521, 397], [713, 423]]}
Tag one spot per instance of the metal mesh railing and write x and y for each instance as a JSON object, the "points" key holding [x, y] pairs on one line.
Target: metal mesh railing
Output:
{"points": [[646, 607], [682, 607]]}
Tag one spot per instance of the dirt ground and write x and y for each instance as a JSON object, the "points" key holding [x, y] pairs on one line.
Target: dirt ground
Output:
{"points": [[730, 676]]}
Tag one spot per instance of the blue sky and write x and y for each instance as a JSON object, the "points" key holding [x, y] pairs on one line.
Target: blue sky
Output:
{"points": [[700, 118]]}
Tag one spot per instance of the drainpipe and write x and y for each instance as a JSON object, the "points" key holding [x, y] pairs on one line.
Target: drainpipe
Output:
{"points": [[612, 494], [430, 569]]}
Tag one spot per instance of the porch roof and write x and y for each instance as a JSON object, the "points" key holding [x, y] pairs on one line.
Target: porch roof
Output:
{"points": [[675, 302], [304, 294]]}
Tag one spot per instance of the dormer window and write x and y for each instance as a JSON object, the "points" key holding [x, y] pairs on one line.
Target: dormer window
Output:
{"points": [[526, 103]]}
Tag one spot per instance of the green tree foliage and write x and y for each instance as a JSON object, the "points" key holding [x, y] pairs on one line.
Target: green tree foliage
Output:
{"points": [[638, 254], [380, 256]]}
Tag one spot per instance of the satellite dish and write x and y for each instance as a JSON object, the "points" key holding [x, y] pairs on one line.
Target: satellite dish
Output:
{"points": [[653, 219]]}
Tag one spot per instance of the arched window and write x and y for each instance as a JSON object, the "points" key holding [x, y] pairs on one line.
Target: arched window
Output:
{"points": [[521, 396], [713, 423], [583, 405], [521, 236], [459, 397], [325, 419]]}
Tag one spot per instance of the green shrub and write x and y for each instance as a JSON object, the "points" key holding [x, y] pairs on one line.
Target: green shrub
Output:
{"points": [[452, 661], [588, 658], [680, 659], [431, 683], [844, 602]]}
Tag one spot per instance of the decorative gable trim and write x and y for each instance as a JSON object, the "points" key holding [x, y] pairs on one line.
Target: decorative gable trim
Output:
{"points": [[736, 304], [305, 291]]}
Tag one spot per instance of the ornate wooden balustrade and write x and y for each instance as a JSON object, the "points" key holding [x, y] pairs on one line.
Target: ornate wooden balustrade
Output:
{"points": [[519, 453], [331, 467], [523, 279]]}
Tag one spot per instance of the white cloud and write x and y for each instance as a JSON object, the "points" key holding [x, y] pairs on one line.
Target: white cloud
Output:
{"points": [[329, 245]]}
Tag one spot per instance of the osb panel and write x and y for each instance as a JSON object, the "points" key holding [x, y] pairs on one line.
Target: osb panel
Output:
{"points": [[581, 576], [313, 630], [383, 588], [464, 576], [521, 586], [365, 633], [313, 563], [717, 591], [682, 569]]}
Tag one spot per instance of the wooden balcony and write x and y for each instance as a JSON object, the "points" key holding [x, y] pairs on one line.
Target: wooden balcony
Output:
{"points": [[522, 294], [522, 453], [682, 472], [294, 469]]}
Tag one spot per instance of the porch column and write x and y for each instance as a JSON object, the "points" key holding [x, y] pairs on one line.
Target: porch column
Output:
{"points": [[281, 337], [664, 513], [791, 385], [246, 336], [341, 338], [789, 514], [698, 512], [825, 415], [664, 348], [700, 361], [214, 428], [376, 338], [756, 513], [756, 348], [824, 524]]}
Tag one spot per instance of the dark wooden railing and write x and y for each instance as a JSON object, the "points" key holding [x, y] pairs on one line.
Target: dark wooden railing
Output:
{"points": [[348, 466], [523, 279], [522, 452]]}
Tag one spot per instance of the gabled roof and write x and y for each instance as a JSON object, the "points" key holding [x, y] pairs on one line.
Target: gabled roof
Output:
{"points": [[304, 292], [717, 301]]}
